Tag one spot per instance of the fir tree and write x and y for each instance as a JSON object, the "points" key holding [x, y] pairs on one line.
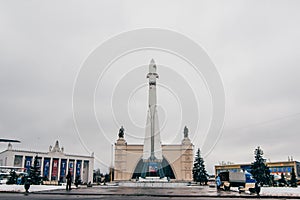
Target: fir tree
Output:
{"points": [[199, 173], [97, 176], [293, 178], [77, 181], [259, 169], [13, 178], [272, 181], [35, 172], [282, 181]]}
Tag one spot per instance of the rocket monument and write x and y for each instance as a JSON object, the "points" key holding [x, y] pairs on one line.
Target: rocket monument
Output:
{"points": [[152, 152]]}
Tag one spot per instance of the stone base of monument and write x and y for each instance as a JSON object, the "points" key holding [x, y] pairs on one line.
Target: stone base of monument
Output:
{"points": [[152, 179], [153, 182]]}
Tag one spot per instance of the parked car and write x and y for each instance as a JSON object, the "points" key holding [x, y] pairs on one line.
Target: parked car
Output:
{"points": [[243, 180]]}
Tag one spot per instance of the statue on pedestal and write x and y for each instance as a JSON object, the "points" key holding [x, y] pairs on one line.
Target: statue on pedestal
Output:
{"points": [[186, 132], [121, 132]]}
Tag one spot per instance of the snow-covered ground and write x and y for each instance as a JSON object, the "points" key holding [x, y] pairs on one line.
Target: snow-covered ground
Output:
{"points": [[276, 191], [33, 188], [280, 191]]}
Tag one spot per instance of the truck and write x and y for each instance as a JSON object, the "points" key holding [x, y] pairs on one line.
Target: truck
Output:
{"points": [[243, 180]]}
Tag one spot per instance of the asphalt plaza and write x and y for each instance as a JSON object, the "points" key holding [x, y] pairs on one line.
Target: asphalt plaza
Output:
{"points": [[115, 192]]}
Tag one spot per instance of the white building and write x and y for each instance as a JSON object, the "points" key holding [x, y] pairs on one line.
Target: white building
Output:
{"points": [[54, 164]]}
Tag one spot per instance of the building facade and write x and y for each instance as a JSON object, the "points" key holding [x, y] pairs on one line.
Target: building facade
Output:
{"points": [[54, 164], [276, 168], [177, 160]]}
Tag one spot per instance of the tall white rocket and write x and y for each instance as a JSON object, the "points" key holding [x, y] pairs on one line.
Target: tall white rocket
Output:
{"points": [[152, 144]]}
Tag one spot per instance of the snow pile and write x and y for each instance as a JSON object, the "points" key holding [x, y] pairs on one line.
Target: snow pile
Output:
{"points": [[33, 188]]}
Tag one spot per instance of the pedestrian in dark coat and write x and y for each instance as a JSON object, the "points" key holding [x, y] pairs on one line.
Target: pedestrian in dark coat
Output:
{"points": [[27, 184], [257, 188], [69, 181]]}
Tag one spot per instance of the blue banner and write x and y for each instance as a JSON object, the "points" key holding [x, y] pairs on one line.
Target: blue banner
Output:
{"points": [[71, 167], [78, 167], [63, 168], [46, 167], [28, 161]]}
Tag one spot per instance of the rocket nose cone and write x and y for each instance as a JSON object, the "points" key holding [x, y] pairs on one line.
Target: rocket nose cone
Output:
{"points": [[152, 66]]}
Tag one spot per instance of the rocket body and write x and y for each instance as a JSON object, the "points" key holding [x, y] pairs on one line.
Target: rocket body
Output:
{"points": [[152, 144]]}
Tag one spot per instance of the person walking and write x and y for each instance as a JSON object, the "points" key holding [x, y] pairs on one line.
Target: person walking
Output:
{"points": [[257, 188], [27, 184], [69, 181], [218, 182]]}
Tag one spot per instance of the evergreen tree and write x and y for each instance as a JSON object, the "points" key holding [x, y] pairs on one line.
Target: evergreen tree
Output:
{"points": [[293, 178], [272, 181], [97, 176], [259, 169], [77, 181], [282, 181], [13, 178], [35, 172], [199, 173], [106, 178]]}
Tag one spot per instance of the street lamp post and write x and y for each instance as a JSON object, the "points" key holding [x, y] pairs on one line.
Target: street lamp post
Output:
{"points": [[111, 164]]}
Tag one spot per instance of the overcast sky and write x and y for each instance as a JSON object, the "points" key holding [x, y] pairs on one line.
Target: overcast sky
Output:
{"points": [[254, 45]]}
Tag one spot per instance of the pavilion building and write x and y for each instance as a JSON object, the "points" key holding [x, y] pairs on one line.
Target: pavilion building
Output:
{"points": [[54, 164]]}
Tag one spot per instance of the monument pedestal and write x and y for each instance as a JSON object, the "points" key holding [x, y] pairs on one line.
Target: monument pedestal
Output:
{"points": [[153, 180], [153, 183]]}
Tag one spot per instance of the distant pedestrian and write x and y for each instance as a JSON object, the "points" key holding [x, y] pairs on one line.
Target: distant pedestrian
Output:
{"points": [[257, 188], [218, 182], [69, 181], [89, 184], [19, 181], [27, 184]]}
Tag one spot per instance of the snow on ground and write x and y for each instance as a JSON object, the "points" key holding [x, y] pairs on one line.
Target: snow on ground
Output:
{"points": [[33, 188], [275, 191], [280, 191]]}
